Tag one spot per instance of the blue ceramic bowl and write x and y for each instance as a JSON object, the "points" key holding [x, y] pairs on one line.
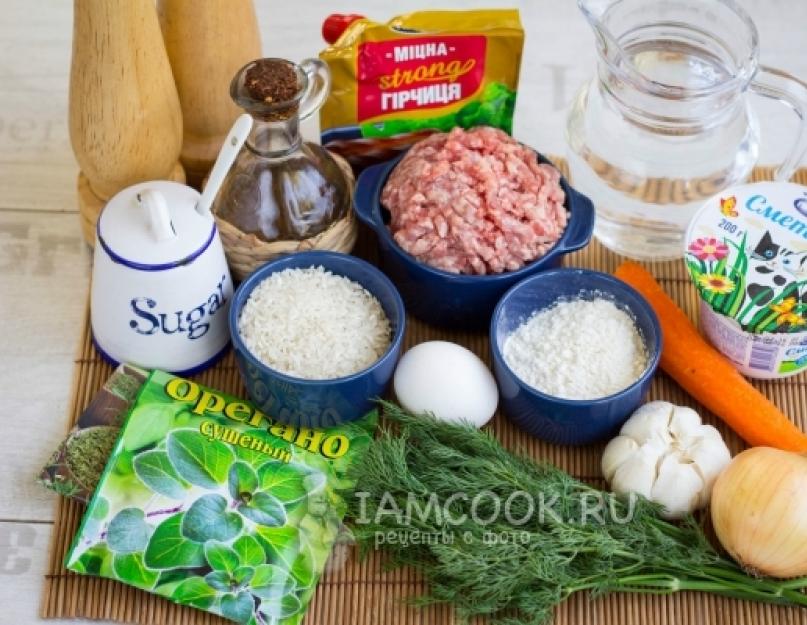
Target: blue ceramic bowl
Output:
{"points": [[450, 299], [319, 403], [565, 421]]}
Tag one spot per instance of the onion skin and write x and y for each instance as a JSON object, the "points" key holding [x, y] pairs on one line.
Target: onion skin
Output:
{"points": [[759, 511]]}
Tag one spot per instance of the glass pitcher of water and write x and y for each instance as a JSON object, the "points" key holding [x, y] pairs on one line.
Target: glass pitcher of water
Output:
{"points": [[666, 122]]}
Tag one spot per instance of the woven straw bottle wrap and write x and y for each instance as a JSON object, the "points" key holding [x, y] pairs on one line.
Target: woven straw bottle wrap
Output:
{"points": [[246, 252]]}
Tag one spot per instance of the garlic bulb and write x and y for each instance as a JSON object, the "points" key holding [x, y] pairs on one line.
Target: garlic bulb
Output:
{"points": [[759, 511], [665, 453]]}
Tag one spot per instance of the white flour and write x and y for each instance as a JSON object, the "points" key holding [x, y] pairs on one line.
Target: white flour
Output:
{"points": [[577, 350]]}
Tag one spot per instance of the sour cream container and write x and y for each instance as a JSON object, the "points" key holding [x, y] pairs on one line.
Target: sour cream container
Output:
{"points": [[746, 252]]}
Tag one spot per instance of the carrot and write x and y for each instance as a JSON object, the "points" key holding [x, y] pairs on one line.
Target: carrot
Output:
{"points": [[706, 375]]}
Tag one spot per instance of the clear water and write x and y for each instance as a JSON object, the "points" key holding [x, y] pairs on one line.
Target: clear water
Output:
{"points": [[678, 63], [645, 181]]}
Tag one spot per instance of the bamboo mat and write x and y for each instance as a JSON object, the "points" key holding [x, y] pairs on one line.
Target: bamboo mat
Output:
{"points": [[361, 593]]}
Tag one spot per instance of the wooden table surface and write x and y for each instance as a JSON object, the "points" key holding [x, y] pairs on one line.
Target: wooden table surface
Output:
{"points": [[45, 265]]}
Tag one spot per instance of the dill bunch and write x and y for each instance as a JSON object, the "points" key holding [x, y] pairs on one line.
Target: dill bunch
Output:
{"points": [[520, 581]]}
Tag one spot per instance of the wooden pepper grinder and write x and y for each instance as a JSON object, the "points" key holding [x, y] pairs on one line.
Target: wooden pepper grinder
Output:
{"points": [[125, 118], [207, 43]]}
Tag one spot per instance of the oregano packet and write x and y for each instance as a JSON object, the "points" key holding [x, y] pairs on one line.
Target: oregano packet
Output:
{"points": [[211, 503]]}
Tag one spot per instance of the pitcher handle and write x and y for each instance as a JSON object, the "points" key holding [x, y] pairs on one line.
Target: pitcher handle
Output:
{"points": [[318, 87], [789, 90]]}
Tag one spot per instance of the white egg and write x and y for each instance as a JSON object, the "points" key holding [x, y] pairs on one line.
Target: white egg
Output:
{"points": [[447, 380]]}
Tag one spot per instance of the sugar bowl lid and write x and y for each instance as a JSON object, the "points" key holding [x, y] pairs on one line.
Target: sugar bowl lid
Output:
{"points": [[155, 225]]}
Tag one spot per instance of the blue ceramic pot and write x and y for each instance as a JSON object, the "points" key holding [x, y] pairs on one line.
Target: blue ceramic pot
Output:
{"points": [[319, 403], [564, 421], [450, 299]]}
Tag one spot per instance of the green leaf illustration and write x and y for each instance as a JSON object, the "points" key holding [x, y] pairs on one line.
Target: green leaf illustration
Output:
{"points": [[196, 592], [256, 458], [271, 582], [169, 549], [249, 550], [281, 544], [183, 418], [242, 481], [280, 607], [219, 580], [148, 424], [264, 509], [243, 575], [123, 463], [96, 515], [130, 568], [283, 481], [314, 483], [304, 568], [319, 505], [168, 576], [208, 519], [197, 460], [238, 607], [220, 557], [100, 509], [128, 531], [155, 470], [92, 560], [319, 533]]}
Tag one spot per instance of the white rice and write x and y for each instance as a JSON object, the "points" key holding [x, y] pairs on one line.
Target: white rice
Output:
{"points": [[312, 324]]}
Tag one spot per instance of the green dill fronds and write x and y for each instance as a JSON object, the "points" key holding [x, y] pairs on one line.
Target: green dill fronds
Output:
{"points": [[462, 471]]}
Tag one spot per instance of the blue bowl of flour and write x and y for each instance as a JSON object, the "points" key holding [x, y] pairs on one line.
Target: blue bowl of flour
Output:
{"points": [[569, 421]]}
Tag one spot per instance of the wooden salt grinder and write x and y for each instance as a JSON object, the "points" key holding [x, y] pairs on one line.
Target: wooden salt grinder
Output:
{"points": [[125, 118], [207, 43]]}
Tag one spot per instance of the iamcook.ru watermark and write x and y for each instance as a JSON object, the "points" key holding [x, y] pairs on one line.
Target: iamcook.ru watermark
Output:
{"points": [[415, 537], [484, 508]]}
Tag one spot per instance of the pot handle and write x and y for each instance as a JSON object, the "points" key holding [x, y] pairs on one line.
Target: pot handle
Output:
{"points": [[581, 223], [365, 197], [792, 92]]}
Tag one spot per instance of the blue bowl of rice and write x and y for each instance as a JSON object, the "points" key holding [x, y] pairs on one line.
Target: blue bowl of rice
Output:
{"points": [[316, 337]]}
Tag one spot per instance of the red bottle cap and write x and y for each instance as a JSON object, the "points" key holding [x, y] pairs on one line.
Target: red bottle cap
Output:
{"points": [[336, 23]]}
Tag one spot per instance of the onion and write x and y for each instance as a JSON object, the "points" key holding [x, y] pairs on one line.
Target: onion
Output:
{"points": [[759, 511]]}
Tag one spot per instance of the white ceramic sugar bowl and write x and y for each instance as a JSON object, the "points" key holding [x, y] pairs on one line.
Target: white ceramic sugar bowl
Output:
{"points": [[161, 287]]}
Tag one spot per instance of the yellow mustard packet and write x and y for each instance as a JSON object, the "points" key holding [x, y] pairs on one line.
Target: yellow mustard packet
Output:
{"points": [[397, 82]]}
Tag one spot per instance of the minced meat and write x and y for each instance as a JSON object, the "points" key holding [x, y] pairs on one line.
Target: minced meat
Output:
{"points": [[474, 202]]}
